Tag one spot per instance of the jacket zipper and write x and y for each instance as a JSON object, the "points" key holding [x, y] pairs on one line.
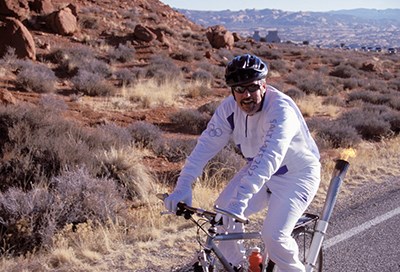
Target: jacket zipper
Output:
{"points": [[245, 132]]}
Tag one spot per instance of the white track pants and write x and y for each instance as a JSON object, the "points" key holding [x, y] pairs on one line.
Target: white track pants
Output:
{"points": [[291, 193]]}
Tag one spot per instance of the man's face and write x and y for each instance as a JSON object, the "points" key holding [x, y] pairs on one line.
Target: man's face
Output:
{"points": [[249, 96]]}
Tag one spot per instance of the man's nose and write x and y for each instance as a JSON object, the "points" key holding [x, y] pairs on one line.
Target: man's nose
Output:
{"points": [[246, 93]]}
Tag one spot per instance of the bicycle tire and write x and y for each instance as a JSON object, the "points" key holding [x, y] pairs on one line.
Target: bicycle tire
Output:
{"points": [[303, 237]]}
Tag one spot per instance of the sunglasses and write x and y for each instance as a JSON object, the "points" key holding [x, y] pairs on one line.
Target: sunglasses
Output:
{"points": [[251, 88]]}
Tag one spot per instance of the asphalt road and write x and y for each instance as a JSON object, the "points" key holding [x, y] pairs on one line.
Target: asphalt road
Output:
{"points": [[364, 230]]}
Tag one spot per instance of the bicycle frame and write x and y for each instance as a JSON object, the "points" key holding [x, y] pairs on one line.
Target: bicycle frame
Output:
{"points": [[210, 245]]}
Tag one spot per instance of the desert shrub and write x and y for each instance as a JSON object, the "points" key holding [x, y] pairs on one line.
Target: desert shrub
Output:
{"points": [[369, 122], [89, 21], [92, 84], [344, 71], [377, 85], [183, 55], [122, 53], [389, 98], [394, 101], [37, 144], [394, 84], [53, 103], [294, 77], [9, 60], [95, 66], [333, 134], [128, 77], [350, 83], [220, 169], [162, 69], [334, 100], [298, 64], [295, 93], [278, 65], [198, 55], [268, 53], [30, 219], [203, 76], [150, 136], [190, 120], [124, 165], [69, 59], [116, 135], [25, 220], [209, 107], [367, 96], [145, 134], [36, 77], [198, 88], [174, 150], [125, 76], [83, 197], [215, 70], [164, 28], [314, 84]]}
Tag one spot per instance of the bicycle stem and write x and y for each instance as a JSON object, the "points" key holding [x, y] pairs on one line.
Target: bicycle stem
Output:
{"points": [[338, 175]]}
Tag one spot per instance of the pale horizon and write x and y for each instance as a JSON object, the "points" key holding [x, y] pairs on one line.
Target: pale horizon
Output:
{"points": [[285, 5]]}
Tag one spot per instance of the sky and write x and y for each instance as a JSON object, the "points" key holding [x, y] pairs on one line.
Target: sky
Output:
{"points": [[286, 5]]}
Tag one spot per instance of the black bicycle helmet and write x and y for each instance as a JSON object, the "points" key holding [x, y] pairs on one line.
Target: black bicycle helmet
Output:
{"points": [[245, 69]]}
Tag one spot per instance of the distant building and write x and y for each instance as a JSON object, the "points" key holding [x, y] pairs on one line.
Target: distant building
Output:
{"points": [[272, 37], [256, 36]]}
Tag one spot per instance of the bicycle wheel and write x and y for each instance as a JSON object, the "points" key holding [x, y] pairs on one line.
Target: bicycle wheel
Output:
{"points": [[303, 237]]}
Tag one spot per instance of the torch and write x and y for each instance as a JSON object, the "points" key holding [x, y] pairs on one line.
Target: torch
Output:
{"points": [[338, 175]]}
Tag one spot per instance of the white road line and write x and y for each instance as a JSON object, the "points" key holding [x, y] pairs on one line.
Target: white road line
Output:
{"points": [[354, 231]]}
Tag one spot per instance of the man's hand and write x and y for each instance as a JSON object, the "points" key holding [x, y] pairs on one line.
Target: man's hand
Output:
{"points": [[181, 193], [236, 209]]}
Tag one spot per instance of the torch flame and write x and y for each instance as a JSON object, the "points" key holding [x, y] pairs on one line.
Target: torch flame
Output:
{"points": [[347, 153]]}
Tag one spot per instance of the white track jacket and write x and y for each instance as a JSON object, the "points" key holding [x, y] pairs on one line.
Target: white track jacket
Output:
{"points": [[275, 140]]}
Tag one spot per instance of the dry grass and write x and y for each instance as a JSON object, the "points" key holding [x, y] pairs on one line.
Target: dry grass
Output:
{"points": [[148, 94], [312, 105]]}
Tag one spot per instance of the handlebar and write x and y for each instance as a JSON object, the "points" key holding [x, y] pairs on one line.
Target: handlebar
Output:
{"points": [[234, 216], [187, 211]]}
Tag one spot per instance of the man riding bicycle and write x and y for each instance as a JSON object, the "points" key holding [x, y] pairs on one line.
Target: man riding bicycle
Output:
{"points": [[282, 170]]}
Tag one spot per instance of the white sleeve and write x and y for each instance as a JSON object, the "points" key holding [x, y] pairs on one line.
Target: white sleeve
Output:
{"points": [[210, 142]]}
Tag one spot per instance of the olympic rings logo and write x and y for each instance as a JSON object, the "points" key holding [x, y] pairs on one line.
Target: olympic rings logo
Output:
{"points": [[213, 131]]}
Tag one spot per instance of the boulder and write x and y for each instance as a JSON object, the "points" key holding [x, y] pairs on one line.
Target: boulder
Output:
{"points": [[219, 37], [15, 35], [14, 8], [63, 22], [41, 6], [6, 98], [143, 33]]}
